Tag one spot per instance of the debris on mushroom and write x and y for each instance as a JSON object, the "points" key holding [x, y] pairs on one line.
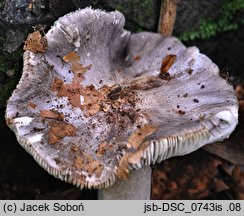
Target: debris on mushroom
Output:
{"points": [[102, 149], [139, 135], [77, 68], [167, 62], [137, 58], [59, 130], [71, 57], [90, 109], [190, 71], [36, 42], [32, 105], [51, 114], [89, 165]]}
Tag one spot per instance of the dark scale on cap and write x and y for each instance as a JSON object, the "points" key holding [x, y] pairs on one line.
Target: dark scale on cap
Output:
{"points": [[195, 100]]}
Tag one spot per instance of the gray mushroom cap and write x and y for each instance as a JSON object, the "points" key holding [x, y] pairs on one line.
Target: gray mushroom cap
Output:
{"points": [[93, 106]]}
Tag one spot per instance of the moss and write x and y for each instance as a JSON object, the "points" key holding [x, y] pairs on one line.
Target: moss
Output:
{"points": [[229, 19]]}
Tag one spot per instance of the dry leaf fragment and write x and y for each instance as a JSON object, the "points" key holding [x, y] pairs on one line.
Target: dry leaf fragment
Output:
{"points": [[141, 134], [93, 98], [123, 172], [72, 91], [135, 157], [32, 105], [74, 148], [51, 114], [96, 167], [78, 69], [89, 165], [59, 130], [36, 42], [137, 58], [71, 57], [167, 62], [146, 83], [79, 163], [131, 158], [101, 149]]}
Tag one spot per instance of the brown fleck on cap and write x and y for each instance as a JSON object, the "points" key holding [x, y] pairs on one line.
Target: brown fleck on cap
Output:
{"points": [[88, 114]]}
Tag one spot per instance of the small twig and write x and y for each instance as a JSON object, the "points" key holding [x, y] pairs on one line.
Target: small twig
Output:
{"points": [[167, 17]]}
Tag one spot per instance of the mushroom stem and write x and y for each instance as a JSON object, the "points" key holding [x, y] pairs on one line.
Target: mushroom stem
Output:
{"points": [[136, 187], [167, 17]]}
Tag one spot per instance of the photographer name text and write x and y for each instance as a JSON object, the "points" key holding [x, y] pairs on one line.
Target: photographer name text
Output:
{"points": [[43, 207]]}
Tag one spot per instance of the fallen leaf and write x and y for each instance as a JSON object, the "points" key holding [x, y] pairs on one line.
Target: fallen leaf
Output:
{"points": [[167, 62], [89, 165], [71, 57], [72, 91], [141, 134], [59, 130], [78, 69], [36, 42], [102, 149], [190, 177], [137, 58], [75, 66], [51, 114], [123, 171], [32, 105]]}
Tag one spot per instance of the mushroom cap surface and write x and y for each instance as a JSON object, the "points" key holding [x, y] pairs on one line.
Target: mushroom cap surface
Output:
{"points": [[95, 103]]}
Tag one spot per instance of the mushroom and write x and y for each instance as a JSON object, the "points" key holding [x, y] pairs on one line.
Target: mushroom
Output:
{"points": [[97, 105]]}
